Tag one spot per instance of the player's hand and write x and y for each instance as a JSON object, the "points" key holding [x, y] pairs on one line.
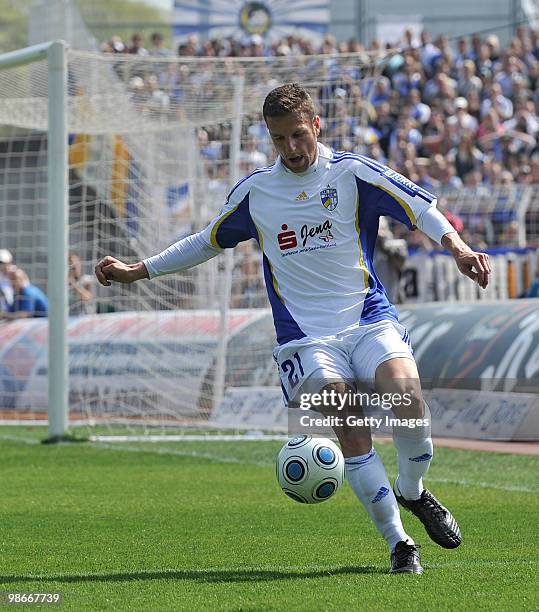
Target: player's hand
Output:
{"points": [[474, 265], [112, 269]]}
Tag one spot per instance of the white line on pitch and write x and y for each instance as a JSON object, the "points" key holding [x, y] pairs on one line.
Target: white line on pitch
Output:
{"points": [[219, 458], [482, 485], [179, 453], [193, 438]]}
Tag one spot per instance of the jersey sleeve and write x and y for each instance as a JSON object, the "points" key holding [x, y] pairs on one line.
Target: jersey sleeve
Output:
{"points": [[182, 255], [392, 194], [234, 223]]}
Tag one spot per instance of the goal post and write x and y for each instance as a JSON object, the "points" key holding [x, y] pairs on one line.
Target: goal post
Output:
{"points": [[58, 241], [57, 198]]}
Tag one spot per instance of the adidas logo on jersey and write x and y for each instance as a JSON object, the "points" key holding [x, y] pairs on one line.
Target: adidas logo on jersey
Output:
{"points": [[302, 196]]}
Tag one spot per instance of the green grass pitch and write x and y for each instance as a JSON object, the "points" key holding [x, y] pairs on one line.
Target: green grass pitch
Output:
{"points": [[204, 526]]}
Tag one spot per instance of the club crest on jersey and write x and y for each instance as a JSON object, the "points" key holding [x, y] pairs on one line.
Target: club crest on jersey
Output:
{"points": [[329, 198]]}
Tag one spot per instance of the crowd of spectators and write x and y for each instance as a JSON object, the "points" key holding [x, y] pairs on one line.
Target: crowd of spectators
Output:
{"points": [[449, 115], [20, 299], [443, 114], [446, 114]]}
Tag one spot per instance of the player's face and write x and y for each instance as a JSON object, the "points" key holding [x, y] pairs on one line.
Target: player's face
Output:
{"points": [[294, 137]]}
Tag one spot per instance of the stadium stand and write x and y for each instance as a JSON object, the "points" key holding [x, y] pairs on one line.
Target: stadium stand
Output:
{"points": [[459, 119], [444, 117]]}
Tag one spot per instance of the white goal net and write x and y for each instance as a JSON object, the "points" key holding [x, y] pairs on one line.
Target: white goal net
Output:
{"points": [[154, 146]]}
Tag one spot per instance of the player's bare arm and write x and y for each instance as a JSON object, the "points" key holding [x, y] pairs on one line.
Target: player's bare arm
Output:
{"points": [[111, 269], [470, 263]]}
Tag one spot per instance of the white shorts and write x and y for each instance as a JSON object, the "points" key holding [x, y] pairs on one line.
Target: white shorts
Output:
{"points": [[308, 364]]}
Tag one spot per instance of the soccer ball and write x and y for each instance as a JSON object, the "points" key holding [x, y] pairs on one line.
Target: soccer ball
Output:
{"points": [[310, 470]]}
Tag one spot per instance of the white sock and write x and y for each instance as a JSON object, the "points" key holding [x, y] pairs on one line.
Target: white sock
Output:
{"points": [[368, 479], [414, 452]]}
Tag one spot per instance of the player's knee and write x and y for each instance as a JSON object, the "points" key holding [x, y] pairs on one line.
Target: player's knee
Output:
{"points": [[354, 439], [338, 399], [336, 395], [407, 400]]}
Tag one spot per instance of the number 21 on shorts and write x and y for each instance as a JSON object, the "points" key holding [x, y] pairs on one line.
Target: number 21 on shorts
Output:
{"points": [[293, 370]]}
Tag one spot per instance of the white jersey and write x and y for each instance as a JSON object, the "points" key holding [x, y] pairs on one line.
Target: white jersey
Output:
{"points": [[317, 232]]}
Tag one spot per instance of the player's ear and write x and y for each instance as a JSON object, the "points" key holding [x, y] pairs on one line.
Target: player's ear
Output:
{"points": [[316, 124]]}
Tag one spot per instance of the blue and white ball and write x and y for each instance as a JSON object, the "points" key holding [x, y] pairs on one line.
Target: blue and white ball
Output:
{"points": [[310, 470]]}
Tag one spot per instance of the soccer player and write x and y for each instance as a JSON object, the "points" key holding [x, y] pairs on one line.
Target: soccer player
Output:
{"points": [[315, 213]]}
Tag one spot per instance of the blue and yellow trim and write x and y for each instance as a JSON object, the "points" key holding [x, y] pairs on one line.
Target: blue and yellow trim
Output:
{"points": [[399, 201], [274, 280], [361, 258], [218, 223]]}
